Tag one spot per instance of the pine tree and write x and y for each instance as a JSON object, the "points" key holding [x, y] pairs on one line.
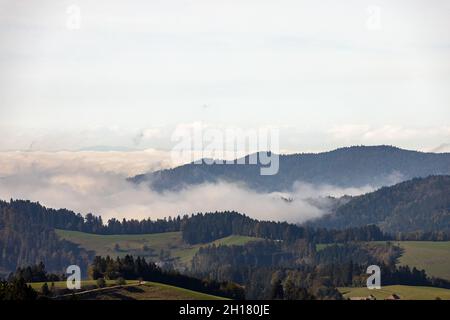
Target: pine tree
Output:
{"points": [[45, 290], [277, 291]]}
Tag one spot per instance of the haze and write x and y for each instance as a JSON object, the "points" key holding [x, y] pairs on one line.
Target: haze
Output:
{"points": [[326, 74]]}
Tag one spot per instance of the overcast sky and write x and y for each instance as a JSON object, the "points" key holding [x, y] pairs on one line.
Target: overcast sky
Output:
{"points": [[325, 73]]}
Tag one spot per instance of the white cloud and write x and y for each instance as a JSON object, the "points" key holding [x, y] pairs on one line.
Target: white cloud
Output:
{"points": [[443, 148], [66, 162], [422, 138], [349, 131], [96, 182], [149, 63]]}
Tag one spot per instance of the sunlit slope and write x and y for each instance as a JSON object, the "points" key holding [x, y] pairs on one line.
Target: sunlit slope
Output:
{"points": [[405, 292], [151, 246]]}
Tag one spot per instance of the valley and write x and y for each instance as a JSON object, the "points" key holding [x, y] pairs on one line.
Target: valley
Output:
{"points": [[403, 228], [264, 152]]}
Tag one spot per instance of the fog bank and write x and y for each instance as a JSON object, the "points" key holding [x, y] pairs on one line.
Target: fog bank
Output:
{"points": [[96, 182]]}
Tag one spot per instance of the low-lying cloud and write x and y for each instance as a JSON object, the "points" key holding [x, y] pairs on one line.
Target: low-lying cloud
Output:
{"points": [[96, 183]]}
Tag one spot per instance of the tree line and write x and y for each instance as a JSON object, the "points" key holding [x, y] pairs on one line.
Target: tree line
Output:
{"points": [[204, 228], [130, 268], [68, 220], [275, 270]]}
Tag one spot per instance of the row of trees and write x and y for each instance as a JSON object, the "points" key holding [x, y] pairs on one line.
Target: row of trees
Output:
{"points": [[289, 284], [361, 253], [36, 273], [212, 226], [16, 289], [130, 268], [204, 228], [234, 262], [69, 220]]}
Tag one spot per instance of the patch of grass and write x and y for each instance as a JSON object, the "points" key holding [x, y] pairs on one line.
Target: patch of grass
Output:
{"points": [[321, 246], [146, 291], [84, 284], [149, 291], [434, 257], [405, 292], [145, 245], [187, 253], [121, 245]]}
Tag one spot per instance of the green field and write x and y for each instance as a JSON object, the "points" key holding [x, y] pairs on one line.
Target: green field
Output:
{"points": [[132, 291], [434, 257], [85, 283], [149, 291], [150, 246], [405, 292]]}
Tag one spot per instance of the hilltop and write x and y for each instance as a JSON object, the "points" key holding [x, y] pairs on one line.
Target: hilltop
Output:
{"points": [[346, 167], [419, 205]]}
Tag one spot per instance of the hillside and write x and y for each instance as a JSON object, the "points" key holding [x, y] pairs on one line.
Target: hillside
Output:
{"points": [[346, 167], [85, 284], [25, 239], [148, 291], [133, 290], [154, 247], [405, 292], [418, 205], [431, 256], [434, 257]]}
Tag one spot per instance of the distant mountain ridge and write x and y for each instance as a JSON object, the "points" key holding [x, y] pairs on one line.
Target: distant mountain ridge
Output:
{"points": [[418, 205], [345, 167]]}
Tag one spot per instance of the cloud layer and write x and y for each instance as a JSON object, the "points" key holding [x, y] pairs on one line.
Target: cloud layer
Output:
{"points": [[96, 182]]}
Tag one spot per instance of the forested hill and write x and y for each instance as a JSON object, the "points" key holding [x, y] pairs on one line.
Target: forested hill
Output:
{"points": [[418, 209], [196, 228], [27, 233], [418, 205], [25, 240], [346, 167], [68, 220], [204, 228]]}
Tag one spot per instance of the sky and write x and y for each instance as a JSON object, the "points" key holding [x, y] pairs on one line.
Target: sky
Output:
{"points": [[76, 75], [93, 92]]}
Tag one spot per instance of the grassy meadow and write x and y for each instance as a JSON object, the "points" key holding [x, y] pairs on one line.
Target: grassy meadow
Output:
{"points": [[149, 291], [151, 246], [84, 284], [132, 291], [432, 256], [405, 292]]}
